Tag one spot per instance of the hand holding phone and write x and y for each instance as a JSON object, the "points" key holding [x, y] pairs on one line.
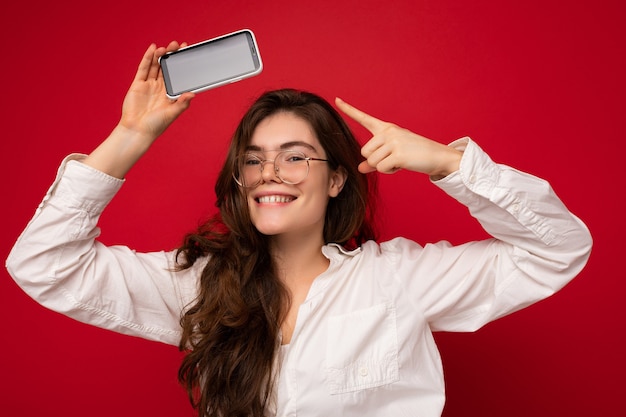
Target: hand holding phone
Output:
{"points": [[146, 110], [146, 113], [212, 63]]}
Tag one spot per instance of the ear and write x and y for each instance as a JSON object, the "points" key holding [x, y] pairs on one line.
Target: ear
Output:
{"points": [[337, 180]]}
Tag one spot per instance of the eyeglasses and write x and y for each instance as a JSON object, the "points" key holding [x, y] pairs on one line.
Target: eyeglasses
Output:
{"points": [[291, 167]]}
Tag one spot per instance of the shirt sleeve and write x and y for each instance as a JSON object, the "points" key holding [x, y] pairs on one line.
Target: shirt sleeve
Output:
{"points": [[538, 246], [59, 263]]}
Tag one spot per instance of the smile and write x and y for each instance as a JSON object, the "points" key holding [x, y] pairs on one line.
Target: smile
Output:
{"points": [[268, 199]]}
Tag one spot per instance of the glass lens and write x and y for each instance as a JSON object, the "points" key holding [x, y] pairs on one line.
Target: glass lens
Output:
{"points": [[250, 167], [291, 166]]}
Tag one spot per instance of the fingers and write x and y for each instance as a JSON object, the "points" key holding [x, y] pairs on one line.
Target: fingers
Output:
{"points": [[371, 123], [154, 65], [149, 65], [366, 168], [155, 70], [374, 151], [378, 152], [383, 159], [146, 62]]}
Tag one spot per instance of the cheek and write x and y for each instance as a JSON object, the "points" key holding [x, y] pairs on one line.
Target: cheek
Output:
{"points": [[249, 206], [317, 204]]}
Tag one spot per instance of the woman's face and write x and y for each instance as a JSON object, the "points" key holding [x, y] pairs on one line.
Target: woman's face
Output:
{"points": [[278, 208]]}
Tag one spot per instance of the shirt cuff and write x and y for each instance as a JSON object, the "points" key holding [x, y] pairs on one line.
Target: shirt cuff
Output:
{"points": [[81, 186], [477, 176]]}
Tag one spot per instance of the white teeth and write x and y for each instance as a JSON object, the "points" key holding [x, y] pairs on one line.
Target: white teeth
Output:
{"points": [[275, 199]]}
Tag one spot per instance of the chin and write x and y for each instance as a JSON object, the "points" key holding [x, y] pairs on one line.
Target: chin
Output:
{"points": [[269, 230]]}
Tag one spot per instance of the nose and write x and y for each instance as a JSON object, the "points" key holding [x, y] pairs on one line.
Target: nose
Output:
{"points": [[269, 174]]}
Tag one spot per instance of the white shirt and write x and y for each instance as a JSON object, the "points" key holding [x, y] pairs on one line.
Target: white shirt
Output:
{"points": [[363, 343]]}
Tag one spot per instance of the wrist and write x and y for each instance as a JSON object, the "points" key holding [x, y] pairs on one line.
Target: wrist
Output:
{"points": [[133, 137], [451, 163], [119, 151]]}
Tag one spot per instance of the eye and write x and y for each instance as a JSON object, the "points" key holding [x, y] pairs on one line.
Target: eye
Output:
{"points": [[294, 157], [250, 159]]}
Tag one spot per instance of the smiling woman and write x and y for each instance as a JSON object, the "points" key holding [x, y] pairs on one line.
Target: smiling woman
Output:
{"points": [[288, 303], [306, 194]]}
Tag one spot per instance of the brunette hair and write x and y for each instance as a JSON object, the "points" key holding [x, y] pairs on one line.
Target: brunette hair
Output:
{"points": [[231, 332]]}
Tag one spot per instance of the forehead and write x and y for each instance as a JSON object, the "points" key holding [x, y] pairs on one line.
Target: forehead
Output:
{"points": [[284, 130]]}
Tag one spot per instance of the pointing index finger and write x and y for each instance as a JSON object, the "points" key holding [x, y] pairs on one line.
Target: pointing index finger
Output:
{"points": [[371, 123]]}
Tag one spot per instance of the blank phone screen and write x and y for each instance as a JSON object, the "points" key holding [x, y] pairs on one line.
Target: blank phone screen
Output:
{"points": [[209, 63]]}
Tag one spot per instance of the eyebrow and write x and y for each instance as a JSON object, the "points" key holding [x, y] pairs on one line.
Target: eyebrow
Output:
{"points": [[286, 145]]}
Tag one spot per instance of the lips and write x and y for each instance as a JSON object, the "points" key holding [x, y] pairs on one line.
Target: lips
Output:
{"points": [[273, 199]]}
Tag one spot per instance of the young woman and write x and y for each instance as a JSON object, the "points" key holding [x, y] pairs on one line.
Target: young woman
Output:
{"points": [[285, 302]]}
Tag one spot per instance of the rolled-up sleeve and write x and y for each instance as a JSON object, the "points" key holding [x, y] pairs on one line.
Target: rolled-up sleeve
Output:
{"points": [[58, 262]]}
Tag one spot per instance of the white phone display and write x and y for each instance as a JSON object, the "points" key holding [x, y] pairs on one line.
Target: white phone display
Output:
{"points": [[211, 63]]}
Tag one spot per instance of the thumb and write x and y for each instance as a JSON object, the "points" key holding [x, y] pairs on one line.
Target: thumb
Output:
{"points": [[182, 103], [365, 168]]}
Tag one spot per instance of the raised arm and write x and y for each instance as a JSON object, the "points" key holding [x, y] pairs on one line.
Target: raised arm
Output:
{"points": [[538, 246], [57, 259], [146, 113]]}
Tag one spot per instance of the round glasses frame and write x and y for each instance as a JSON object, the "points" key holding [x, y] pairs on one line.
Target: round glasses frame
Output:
{"points": [[294, 164]]}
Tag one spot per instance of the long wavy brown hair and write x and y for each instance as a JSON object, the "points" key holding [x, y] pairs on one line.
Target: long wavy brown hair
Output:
{"points": [[231, 331]]}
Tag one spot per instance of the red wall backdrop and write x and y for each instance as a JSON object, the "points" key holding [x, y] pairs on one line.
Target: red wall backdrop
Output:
{"points": [[539, 84]]}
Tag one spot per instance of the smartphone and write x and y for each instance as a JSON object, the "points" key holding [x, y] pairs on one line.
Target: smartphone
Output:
{"points": [[212, 63]]}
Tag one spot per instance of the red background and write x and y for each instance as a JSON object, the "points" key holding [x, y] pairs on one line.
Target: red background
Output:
{"points": [[539, 84]]}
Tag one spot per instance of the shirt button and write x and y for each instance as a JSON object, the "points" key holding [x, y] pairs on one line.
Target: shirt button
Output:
{"points": [[363, 371], [472, 179]]}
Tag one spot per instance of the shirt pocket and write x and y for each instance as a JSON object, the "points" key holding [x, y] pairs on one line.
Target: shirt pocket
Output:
{"points": [[362, 349]]}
